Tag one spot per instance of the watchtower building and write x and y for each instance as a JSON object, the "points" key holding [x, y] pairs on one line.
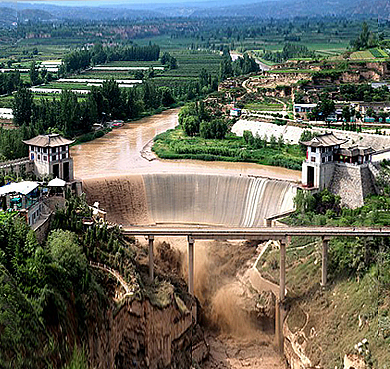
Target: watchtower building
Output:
{"points": [[325, 153], [51, 156], [318, 168]]}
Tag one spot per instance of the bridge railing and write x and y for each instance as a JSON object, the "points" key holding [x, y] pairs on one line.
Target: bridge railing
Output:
{"points": [[115, 273]]}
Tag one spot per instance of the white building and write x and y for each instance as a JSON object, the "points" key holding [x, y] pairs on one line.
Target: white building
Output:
{"points": [[304, 108], [326, 151], [318, 168], [51, 156]]}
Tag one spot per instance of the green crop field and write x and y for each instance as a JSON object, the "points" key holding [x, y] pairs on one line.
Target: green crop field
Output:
{"points": [[361, 55], [264, 107], [190, 64], [134, 64]]}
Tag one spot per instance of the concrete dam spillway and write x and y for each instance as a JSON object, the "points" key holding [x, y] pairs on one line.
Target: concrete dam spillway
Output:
{"points": [[204, 199]]}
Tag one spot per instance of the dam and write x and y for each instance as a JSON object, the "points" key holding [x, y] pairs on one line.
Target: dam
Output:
{"points": [[199, 199], [135, 191], [196, 194]]}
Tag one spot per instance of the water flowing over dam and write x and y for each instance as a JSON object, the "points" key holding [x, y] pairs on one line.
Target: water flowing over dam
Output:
{"points": [[190, 199]]}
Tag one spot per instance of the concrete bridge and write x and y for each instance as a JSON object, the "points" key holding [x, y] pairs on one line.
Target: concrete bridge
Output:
{"points": [[281, 234]]}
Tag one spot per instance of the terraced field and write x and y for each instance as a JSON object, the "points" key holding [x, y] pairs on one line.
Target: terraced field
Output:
{"points": [[372, 54]]}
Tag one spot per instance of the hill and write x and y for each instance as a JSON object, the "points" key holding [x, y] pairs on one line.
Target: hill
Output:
{"points": [[231, 8]]}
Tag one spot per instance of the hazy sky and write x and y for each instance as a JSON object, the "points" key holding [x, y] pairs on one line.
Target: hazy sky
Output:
{"points": [[105, 2]]}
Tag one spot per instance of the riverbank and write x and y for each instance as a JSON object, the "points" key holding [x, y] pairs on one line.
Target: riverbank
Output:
{"points": [[119, 152], [93, 135], [174, 144]]}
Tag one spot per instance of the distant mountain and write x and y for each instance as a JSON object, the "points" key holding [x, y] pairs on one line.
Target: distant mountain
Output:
{"points": [[299, 8], [381, 8], [7, 16], [34, 14], [234, 8], [48, 11]]}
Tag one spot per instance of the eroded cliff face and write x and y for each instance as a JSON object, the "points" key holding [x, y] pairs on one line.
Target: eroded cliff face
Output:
{"points": [[137, 334]]}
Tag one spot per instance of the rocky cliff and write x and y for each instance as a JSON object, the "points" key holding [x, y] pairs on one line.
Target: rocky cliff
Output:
{"points": [[140, 335]]}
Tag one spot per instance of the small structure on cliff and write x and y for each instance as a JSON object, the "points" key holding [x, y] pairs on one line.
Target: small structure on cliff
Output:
{"points": [[346, 171], [51, 156], [23, 197], [317, 169]]}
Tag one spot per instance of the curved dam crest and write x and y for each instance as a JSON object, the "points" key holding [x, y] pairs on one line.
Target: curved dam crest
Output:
{"points": [[190, 199]]}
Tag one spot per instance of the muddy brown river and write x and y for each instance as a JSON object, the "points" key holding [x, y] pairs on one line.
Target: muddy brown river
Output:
{"points": [[118, 152]]}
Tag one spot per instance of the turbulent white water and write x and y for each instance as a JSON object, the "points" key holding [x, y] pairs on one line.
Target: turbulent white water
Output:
{"points": [[190, 199]]}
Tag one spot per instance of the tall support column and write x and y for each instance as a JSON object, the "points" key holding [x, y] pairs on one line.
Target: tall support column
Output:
{"points": [[282, 284], [191, 265], [279, 311], [151, 258], [279, 338], [324, 279]]}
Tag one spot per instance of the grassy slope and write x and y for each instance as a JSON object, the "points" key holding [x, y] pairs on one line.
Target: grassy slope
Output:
{"points": [[334, 312]]}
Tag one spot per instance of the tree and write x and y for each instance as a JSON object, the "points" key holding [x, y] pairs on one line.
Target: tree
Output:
{"points": [[166, 97], [306, 136], [67, 254], [215, 129], [190, 125], [34, 74], [168, 60], [346, 114], [323, 109], [304, 202], [22, 106], [366, 39], [248, 137], [383, 115], [113, 97], [69, 114]]}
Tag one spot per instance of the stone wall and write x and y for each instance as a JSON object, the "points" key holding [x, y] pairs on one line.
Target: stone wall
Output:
{"points": [[42, 229], [17, 166], [141, 335], [292, 133], [352, 183]]}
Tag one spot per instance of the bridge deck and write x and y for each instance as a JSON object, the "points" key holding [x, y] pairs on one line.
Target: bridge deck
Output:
{"points": [[256, 233]]}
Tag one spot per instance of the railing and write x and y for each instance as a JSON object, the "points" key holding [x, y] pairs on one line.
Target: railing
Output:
{"points": [[275, 233], [9, 163], [115, 273]]}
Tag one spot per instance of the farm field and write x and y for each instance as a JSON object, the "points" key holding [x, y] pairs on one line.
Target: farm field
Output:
{"points": [[264, 107], [190, 64], [371, 54]]}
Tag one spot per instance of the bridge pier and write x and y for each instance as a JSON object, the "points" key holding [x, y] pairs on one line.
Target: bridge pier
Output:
{"points": [[151, 258], [324, 276], [282, 267], [191, 265], [279, 338], [279, 310]]}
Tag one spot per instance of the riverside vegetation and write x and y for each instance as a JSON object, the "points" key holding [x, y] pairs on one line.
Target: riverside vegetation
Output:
{"points": [[50, 296], [204, 135]]}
